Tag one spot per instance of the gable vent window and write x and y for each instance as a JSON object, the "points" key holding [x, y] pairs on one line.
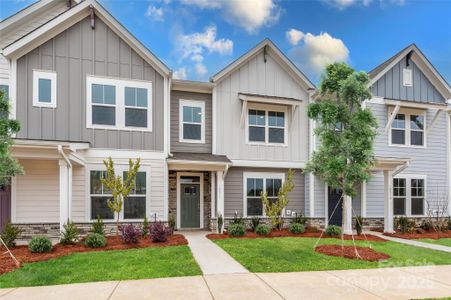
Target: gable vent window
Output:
{"points": [[44, 89], [407, 77]]}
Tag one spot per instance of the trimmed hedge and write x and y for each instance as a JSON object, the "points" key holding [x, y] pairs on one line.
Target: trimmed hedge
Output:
{"points": [[40, 244]]}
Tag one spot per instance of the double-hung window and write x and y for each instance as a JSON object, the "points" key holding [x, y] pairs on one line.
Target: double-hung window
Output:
{"points": [[266, 126], [409, 195], [99, 197], [192, 121], [135, 203], [408, 129], [44, 89], [255, 184], [119, 104]]}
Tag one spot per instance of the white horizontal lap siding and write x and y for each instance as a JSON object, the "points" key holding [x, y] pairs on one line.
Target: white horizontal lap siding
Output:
{"points": [[4, 67], [257, 77], [375, 196], [78, 194], [320, 198], [37, 192], [157, 189]]}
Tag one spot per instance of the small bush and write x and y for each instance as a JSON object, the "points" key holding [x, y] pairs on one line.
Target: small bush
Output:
{"points": [[296, 228], [299, 219], [333, 230], [145, 227], [263, 229], [95, 240], [97, 226], [130, 234], [220, 223], [255, 221], [172, 222], [237, 219], [406, 225], [10, 234], [159, 232], [449, 224], [359, 225], [40, 244], [236, 229], [70, 234]]}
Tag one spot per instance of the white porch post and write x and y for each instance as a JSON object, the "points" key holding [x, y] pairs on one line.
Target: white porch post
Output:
{"points": [[388, 203], [363, 200], [220, 194], [213, 193], [347, 215], [65, 191]]}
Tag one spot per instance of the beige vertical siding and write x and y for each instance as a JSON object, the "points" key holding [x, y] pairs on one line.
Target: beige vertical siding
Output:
{"points": [[37, 192], [79, 194]]}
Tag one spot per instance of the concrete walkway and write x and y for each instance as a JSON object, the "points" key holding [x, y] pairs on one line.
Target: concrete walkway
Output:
{"points": [[394, 283], [412, 242], [211, 258]]}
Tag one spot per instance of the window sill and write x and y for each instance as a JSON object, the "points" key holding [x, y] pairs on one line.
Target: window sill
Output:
{"points": [[266, 144], [115, 128], [192, 141], [42, 105], [407, 146]]}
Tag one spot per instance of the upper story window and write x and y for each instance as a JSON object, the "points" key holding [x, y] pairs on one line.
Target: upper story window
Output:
{"points": [[118, 104], [408, 129], [44, 89], [266, 127], [192, 121], [409, 195], [5, 89], [255, 184], [407, 77]]}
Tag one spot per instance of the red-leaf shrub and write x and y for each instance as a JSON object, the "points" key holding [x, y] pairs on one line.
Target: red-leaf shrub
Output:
{"points": [[130, 234], [159, 232]]}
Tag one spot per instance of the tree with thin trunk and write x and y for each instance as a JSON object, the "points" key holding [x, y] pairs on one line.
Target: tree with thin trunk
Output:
{"points": [[345, 128], [9, 167], [120, 188]]}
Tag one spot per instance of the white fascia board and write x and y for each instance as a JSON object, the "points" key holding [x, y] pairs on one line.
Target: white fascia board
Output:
{"points": [[23, 14], [98, 154], [268, 164]]}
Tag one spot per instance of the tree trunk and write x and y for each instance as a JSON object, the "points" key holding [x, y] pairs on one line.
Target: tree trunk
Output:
{"points": [[117, 225]]}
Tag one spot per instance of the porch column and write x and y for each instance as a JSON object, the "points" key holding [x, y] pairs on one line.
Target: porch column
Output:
{"points": [[388, 203], [347, 215], [213, 193], [65, 191], [220, 194]]}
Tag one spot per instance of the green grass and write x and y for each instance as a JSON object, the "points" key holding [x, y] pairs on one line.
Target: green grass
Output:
{"points": [[141, 263], [442, 241], [297, 254]]}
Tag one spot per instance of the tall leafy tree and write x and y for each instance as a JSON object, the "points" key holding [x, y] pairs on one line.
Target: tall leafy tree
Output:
{"points": [[9, 167], [345, 129]]}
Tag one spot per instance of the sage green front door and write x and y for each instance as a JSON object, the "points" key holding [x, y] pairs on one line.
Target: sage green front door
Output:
{"points": [[190, 205]]}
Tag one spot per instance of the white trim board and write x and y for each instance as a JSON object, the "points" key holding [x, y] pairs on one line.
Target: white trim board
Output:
{"points": [[268, 164], [192, 103]]}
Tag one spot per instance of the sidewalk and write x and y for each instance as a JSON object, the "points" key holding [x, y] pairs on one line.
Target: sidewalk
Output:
{"points": [[211, 258], [394, 283], [412, 242]]}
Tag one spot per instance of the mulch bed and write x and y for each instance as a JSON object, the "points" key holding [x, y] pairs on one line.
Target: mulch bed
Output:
{"points": [[365, 253], [422, 235], [23, 255], [286, 233]]}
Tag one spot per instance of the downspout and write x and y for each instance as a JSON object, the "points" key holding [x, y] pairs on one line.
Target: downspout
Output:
{"points": [[312, 147], [69, 180]]}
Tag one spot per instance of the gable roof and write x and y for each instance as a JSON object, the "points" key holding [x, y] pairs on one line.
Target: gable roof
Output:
{"points": [[281, 59], [421, 62], [70, 17]]}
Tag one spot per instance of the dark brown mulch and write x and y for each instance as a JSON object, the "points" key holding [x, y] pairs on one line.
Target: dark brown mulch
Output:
{"points": [[23, 255], [365, 253], [423, 235], [286, 233]]}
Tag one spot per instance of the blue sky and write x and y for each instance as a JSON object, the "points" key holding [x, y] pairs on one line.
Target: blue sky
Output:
{"points": [[196, 38]]}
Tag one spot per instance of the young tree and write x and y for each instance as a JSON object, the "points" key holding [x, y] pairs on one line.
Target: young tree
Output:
{"points": [[275, 209], [9, 167], [346, 131], [120, 188]]}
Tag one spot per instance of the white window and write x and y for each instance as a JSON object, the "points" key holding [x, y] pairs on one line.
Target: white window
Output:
{"points": [[266, 126], [44, 89], [407, 77], [118, 104], [254, 185], [409, 192], [192, 121], [408, 129]]}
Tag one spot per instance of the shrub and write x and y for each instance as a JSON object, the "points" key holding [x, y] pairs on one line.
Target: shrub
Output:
{"points": [[97, 226], [10, 234], [70, 234], [40, 244], [255, 221], [237, 219], [171, 222], [220, 223], [296, 228], [159, 233], [130, 234], [95, 240], [449, 223], [333, 230], [406, 225], [145, 227], [299, 219], [236, 229], [359, 224], [427, 225], [263, 229]]}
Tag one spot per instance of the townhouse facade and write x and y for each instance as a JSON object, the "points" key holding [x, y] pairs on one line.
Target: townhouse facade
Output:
{"points": [[84, 88]]}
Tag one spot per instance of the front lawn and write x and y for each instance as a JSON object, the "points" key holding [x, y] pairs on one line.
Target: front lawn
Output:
{"points": [[297, 254], [140, 263], [443, 241]]}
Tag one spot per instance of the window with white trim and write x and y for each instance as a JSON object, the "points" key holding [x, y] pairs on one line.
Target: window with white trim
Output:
{"points": [[409, 195], [399, 196], [192, 121], [408, 129], [44, 89], [266, 126], [255, 184], [119, 104], [407, 77], [135, 203], [99, 197]]}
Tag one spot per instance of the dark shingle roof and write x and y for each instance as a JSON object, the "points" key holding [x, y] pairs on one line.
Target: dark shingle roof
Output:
{"points": [[205, 157]]}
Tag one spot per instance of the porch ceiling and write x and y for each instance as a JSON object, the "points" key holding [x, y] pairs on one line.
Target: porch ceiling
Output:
{"points": [[390, 164]]}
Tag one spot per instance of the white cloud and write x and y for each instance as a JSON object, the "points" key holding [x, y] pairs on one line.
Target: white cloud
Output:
{"points": [[154, 13], [315, 52], [180, 73], [197, 58], [343, 4], [294, 36], [201, 69], [248, 14]]}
